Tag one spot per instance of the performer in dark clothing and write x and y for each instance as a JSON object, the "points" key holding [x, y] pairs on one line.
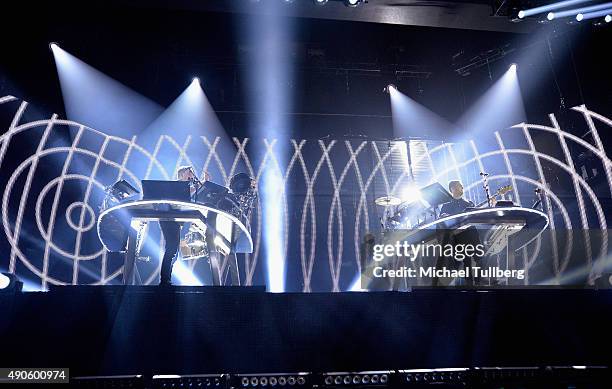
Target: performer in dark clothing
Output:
{"points": [[171, 230], [469, 236], [458, 204]]}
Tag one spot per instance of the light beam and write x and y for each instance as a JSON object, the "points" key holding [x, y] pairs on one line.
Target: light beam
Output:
{"points": [[550, 7]]}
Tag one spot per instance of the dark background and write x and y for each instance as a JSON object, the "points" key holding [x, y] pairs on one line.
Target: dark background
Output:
{"points": [[340, 67]]}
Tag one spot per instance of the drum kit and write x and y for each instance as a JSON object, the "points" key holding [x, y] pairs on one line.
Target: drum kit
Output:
{"points": [[399, 213], [413, 212]]}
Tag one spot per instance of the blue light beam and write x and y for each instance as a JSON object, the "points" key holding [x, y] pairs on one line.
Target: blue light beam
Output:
{"points": [[501, 106], [98, 101]]}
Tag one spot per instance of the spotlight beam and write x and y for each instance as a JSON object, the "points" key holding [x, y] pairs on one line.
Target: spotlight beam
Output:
{"points": [[583, 10], [90, 95], [411, 118], [598, 14], [269, 76], [550, 7], [500, 106]]}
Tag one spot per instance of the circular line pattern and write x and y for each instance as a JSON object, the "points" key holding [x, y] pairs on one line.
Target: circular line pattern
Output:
{"points": [[442, 162]]}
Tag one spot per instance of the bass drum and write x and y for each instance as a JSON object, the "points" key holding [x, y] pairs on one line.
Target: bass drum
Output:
{"points": [[113, 232]]}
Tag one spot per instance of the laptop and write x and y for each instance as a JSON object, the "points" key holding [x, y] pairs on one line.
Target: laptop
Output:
{"points": [[165, 190]]}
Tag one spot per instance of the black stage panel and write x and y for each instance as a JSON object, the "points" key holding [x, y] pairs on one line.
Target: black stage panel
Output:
{"points": [[183, 330]]}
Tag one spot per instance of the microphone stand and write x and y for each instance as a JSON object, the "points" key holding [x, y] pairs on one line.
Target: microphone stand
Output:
{"points": [[538, 202], [198, 185], [485, 185]]}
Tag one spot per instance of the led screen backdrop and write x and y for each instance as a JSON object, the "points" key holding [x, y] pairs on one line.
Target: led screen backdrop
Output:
{"points": [[54, 171]]}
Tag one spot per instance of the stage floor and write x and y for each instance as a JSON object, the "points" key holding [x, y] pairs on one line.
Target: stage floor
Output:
{"points": [[197, 330]]}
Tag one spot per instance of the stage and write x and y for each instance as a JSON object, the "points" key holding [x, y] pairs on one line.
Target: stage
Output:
{"points": [[307, 194], [206, 330]]}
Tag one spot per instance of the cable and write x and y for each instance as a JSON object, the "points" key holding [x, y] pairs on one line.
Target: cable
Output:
{"points": [[552, 68]]}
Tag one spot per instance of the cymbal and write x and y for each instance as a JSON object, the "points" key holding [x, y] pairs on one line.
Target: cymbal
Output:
{"points": [[387, 201]]}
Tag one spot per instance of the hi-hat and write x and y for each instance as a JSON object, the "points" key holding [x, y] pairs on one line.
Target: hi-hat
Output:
{"points": [[387, 201]]}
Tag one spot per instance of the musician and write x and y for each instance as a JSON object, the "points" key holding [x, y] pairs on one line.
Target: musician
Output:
{"points": [[470, 235], [187, 173], [171, 230], [458, 204], [172, 236]]}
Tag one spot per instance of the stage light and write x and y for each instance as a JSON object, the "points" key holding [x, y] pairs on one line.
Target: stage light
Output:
{"points": [[4, 281], [189, 116], [273, 379], [550, 16], [320, 2], [499, 107], [270, 36], [389, 88], [374, 378], [10, 283], [413, 119], [352, 3], [604, 8], [90, 95], [549, 7], [189, 381], [597, 14], [579, 17]]}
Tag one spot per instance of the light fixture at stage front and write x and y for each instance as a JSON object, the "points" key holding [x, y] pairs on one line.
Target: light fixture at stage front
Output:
{"points": [[320, 2], [53, 46], [356, 379], [278, 380], [579, 17], [195, 80], [352, 3], [550, 16], [10, 283], [513, 67], [608, 18]]}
